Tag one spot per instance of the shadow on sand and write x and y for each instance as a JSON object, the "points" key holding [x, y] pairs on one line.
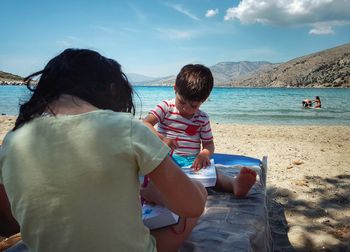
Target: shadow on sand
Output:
{"points": [[318, 222]]}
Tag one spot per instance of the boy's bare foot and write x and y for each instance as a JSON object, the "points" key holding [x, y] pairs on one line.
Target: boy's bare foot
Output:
{"points": [[243, 182]]}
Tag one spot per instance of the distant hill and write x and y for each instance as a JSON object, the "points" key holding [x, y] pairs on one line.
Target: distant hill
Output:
{"points": [[136, 78], [10, 79], [160, 81], [328, 68], [223, 72]]}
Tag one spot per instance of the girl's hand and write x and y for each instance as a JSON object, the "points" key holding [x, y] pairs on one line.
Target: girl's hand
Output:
{"points": [[201, 161]]}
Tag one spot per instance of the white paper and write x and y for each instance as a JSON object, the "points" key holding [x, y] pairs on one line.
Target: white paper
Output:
{"points": [[155, 216], [206, 175]]}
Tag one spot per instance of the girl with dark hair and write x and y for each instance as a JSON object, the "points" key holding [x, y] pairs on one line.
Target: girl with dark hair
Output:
{"points": [[70, 165], [83, 74]]}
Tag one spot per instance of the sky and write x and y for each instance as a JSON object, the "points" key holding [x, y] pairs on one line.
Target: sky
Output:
{"points": [[156, 38]]}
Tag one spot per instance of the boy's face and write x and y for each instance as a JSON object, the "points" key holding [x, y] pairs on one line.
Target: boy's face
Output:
{"points": [[185, 107]]}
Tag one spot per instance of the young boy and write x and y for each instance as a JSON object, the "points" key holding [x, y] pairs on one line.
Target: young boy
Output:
{"points": [[186, 129]]}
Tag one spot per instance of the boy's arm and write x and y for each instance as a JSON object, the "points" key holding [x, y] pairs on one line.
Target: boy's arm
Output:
{"points": [[203, 158], [152, 120]]}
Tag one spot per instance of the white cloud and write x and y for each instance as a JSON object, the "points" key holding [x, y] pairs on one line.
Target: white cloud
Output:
{"points": [[72, 41], [175, 34], [322, 30], [63, 43], [212, 13], [182, 10], [103, 29], [140, 15], [67, 41], [129, 29], [195, 32], [323, 15]]}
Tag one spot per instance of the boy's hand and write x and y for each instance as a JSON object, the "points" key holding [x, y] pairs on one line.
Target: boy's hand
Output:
{"points": [[172, 143], [202, 160]]}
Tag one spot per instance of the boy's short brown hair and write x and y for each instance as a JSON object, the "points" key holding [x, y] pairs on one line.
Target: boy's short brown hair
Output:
{"points": [[194, 82]]}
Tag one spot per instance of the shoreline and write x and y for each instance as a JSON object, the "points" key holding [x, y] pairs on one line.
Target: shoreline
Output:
{"points": [[318, 86], [214, 123], [308, 179]]}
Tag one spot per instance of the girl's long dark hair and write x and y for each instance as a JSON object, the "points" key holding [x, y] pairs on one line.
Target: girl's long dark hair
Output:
{"points": [[82, 73]]}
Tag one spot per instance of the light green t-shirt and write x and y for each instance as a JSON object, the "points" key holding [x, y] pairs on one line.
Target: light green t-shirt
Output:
{"points": [[73, 181]]}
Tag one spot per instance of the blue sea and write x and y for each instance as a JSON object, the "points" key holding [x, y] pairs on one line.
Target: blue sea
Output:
{"points": [[266, 106]]}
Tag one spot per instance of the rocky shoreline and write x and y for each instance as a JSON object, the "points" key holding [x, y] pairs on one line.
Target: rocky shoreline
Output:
{"points": [[316, 85], [11, 83]]}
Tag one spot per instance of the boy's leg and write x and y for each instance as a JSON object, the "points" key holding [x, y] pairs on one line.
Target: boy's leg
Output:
{"points": [[239, 185], [243, 182]]}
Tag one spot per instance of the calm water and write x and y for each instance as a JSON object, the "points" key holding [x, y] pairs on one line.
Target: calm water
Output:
{"points": [[235, 105]]}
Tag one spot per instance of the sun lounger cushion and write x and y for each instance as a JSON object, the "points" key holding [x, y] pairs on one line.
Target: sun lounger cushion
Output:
{"points": [[231, 224]]}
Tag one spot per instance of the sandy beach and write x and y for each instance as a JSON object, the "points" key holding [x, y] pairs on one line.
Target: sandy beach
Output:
{"points": [[308, 180]]}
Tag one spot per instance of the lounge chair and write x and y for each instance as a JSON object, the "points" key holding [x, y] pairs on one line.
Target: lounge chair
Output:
{"points": [[232, 224]]}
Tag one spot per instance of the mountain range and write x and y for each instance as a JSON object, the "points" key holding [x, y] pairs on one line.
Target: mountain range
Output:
{"points": [[223, 73], [327, 68]]}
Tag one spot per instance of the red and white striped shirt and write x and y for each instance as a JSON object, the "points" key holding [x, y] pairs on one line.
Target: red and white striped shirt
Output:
{"points": [[189, 133]]}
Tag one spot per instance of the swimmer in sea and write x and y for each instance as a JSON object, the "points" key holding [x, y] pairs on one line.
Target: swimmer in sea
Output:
{"points": [[317, 102], [307, 103]]}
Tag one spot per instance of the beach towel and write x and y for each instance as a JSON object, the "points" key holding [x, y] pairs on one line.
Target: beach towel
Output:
{"points": [[232, 224]]}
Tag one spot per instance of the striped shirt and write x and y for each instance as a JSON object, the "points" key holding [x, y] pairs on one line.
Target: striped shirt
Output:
{"points": [[189, 133]]}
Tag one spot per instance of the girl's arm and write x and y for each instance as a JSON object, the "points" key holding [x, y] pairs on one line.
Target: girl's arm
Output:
{"points": [[178, 192], [8, 224]]}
